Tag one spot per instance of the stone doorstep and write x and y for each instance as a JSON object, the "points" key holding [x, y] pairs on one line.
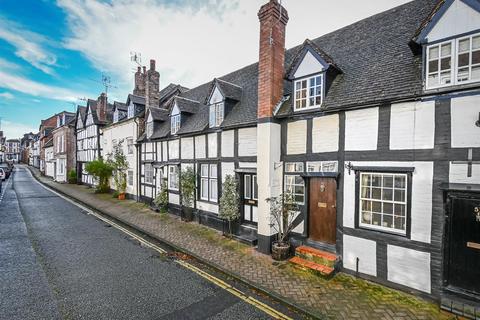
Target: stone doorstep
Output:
{"points": [[317, 256]]}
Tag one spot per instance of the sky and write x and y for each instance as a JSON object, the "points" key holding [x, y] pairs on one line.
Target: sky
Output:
{"points": [[53, 53]]}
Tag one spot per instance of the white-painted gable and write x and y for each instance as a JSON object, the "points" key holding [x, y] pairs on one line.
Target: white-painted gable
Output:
{"points": [[308, 66], [89, 117], [175, 110], [216, 96], [79, 121], [150, 118], [458, 19]]}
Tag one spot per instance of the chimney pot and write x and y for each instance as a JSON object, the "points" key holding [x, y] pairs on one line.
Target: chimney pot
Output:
{"points": [[144, 69], [152, 64], [139, 69]]}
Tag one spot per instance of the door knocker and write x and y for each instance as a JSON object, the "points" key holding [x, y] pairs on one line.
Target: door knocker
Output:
{"points": [[476, 212], [322, 188]]}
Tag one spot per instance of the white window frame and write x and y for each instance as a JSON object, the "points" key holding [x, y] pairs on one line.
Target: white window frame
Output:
{"points": [[455, 45], [393, 202], [130, 177], [175, 121], [148, 173], [292, 170], [216, 114], [149, 129], [322, 166], [173, 178], [210, 176], [308, 96], [438, 72], [130, 146]]}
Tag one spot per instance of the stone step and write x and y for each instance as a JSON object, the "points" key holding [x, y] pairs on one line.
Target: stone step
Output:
{"points": [[316, 268], [317, 256]]}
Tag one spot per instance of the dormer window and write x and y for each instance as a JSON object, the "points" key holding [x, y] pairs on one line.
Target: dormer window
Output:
{"points": [[175, 123], [453, 62], [309, 92], [131, 111], [217, 112]]}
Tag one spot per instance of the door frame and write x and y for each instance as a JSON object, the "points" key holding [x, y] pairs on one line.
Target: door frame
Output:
{"points": [[448, 194], [307, 177]]}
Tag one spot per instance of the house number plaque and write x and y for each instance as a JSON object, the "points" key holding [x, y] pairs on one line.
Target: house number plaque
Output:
{"points": [[476, 212]]}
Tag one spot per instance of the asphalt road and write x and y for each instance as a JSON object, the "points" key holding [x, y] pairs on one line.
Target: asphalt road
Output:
{"points": [[57, 262]]}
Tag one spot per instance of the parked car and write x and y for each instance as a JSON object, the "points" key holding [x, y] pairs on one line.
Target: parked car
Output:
{"points": [[7, 169], [2, 174]]}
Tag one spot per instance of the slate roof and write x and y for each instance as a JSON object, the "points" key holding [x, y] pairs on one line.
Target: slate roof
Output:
{"points": [[373, 54], [135, 99], [159, 114], [228, 89], [120, 106], [187, 105]]}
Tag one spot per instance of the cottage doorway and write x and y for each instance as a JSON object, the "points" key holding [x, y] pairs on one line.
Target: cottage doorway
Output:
{"points": [[322, 221], [250, 199], [463, 249]]}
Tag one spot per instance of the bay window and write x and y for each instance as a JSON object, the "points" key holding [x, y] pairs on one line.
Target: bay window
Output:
{"points": [[383, 201], [208, 182], [308, 92]]}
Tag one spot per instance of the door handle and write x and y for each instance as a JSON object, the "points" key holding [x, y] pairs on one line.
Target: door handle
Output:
{"points": [[334, 206]]}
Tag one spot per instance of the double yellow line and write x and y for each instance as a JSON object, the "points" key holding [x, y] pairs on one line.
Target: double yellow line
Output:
{"points": [[220, 283]]}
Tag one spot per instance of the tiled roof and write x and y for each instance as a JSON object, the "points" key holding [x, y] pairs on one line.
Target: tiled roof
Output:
{"points": [[373, 54], [159, 114]]}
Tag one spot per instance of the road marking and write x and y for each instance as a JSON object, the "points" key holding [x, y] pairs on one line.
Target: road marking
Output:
{"points": [[220, 283], [4, 188]]}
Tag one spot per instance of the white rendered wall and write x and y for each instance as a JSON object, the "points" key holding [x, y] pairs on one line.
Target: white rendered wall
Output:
{"points": [[361, 129], [459, 19], [459, 173], [200, 147], [308, 66], [363, 249], [227, 143], [174, 149], [412, 125], [187, 148], [409, 267], [212, 145], [464, 113], [297, 137], [325, 133], [247, 142]]}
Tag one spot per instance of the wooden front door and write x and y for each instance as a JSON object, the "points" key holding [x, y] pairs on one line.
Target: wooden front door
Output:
{"points": [[322, 219], [464, 243]]}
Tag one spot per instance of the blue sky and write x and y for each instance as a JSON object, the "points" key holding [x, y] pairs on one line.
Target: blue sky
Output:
{"points": [[53, 53]]}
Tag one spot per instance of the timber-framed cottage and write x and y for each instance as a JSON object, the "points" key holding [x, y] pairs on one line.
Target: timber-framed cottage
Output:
{"points": [[374, 128]]}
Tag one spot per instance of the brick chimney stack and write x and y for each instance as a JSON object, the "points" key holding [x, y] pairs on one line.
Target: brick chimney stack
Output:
{"points": [[273, 20], [152, 86], [102, 107], [139, 89]]}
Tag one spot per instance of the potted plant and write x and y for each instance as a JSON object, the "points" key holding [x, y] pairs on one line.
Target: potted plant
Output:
{"points": [[187, 188], [229, 201], [283, 210], [101, 171], [118, 161], [161, 200]]}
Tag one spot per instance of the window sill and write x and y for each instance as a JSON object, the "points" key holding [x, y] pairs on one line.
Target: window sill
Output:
{"points": [[383, 231]]}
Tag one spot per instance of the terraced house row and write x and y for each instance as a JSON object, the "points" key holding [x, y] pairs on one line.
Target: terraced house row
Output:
{"points": [[374, 128]]}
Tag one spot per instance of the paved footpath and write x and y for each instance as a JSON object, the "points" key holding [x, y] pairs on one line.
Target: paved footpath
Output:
{"points": [[343, 297], [60, 261]]}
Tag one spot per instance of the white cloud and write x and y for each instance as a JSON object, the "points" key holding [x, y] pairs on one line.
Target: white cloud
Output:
{"points": [[6, 95], [21, 84], [29, 46], [13, 130], [193, 41]]}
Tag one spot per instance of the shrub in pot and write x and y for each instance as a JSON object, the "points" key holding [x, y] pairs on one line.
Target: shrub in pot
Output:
{"points": [[283, 210], [161, 200], [229, 201], [118, 162], [187, 190]]}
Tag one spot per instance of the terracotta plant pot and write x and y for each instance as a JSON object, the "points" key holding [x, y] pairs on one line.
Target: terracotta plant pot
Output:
{"points": [[121, 196], [280, 251]]}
